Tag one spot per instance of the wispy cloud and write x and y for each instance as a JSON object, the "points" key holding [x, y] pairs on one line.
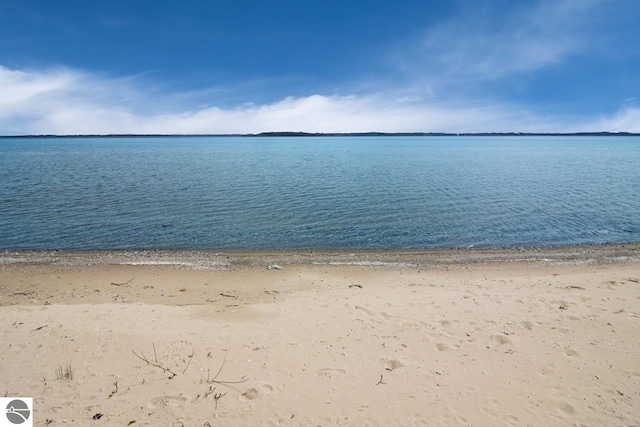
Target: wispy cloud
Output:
{"points": [[625, 120], [485, 42], [20, 88]]}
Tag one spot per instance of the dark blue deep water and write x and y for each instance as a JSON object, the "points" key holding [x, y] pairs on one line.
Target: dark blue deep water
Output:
{"points": [[317, 192]]}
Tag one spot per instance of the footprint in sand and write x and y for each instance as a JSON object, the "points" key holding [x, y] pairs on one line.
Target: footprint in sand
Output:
{"points": [[164, 401], [571, 352], [414, 324], [500, 339], [254, 393], [527, 325], [391, 365], [572, 317], [445, 347], [564, 407], [363, 310], [329, 372]]}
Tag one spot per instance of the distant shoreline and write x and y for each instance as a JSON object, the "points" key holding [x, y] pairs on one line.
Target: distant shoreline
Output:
{"points": [[321, 134]]}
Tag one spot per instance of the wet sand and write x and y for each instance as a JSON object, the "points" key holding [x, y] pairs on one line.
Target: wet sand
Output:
{"points": [[541, 337]]}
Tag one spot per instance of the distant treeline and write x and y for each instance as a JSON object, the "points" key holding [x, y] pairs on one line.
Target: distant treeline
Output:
{"points": [[346, 134], [447, 134]]}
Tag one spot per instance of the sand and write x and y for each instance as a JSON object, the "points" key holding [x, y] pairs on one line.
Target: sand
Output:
{"points": [[438, 338]]}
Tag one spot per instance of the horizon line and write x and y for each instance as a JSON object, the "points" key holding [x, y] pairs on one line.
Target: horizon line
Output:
{"points": [[322, 134]]}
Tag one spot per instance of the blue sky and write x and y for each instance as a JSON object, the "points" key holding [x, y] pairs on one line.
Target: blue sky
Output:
{"points": [[240, 66]]}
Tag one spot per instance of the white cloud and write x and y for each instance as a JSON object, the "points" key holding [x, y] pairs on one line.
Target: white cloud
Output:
{"points": [[318, 113], [19, 88], [625, 120], [72, 102]]}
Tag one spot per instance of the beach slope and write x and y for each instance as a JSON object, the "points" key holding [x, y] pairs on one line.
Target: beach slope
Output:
{"points": [[479, 338]]}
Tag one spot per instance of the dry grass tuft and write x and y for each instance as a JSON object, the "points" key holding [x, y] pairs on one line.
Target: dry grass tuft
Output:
{"points": [[64, 372]]}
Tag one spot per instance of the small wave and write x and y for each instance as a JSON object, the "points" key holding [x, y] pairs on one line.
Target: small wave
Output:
{"points": [[188, 264], [369, 264], [11, 260]]}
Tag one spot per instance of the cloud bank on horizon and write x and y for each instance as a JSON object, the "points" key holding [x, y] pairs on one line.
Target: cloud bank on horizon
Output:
{"points": [[544, 66]]}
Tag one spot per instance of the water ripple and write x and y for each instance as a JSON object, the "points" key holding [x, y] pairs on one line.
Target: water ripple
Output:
{"points": [[324, 193]]}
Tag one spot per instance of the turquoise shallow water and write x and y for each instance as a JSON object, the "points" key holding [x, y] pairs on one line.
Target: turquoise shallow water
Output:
{"points": [[317, 192]]}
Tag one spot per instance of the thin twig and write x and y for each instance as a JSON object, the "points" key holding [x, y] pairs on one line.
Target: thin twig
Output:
{"points": [[123, 283], [224, 359], [190, 359], [208, 393], [217, 397], [157, 365], [380, 382], [215, 379], [114, 391]]}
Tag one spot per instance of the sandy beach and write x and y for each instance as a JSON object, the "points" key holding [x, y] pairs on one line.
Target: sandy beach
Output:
{"points": [[530, 337]]}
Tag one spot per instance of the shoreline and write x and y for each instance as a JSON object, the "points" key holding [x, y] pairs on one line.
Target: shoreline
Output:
{"points": [[418, 258]]}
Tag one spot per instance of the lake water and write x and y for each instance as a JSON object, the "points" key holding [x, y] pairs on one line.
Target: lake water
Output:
{"points": [[317, 192]]}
